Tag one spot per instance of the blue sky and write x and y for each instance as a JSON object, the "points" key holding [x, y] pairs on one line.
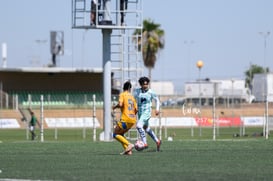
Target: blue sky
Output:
{"points": [[224, 34]]}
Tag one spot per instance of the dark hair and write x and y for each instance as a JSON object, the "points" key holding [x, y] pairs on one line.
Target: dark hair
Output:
{"points": [[127, 85], [144, 79]]}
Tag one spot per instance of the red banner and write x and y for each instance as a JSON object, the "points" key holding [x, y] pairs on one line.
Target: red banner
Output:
{"points": [[234, 121]]}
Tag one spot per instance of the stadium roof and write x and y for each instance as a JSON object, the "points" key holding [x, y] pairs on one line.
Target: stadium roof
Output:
{"points": [[52, 69]]}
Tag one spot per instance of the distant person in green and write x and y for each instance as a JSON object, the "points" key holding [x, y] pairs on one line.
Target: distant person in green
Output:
{"points": [[32, 124]]}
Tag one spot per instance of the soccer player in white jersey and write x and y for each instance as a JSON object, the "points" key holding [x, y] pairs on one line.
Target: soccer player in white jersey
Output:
{"points": [[144, 97]]}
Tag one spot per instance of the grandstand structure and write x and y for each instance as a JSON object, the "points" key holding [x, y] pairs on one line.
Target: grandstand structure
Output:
{"points": [[67, 92], [59, 86]]}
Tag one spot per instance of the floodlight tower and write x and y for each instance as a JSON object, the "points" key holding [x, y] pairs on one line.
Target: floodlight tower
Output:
{"points": [[114, 19]]}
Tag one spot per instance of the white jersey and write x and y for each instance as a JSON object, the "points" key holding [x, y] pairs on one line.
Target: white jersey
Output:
{"points": [[144, 101]]}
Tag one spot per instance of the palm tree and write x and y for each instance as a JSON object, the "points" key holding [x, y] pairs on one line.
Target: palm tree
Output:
{"points": [[253, 69], [152, 42]]}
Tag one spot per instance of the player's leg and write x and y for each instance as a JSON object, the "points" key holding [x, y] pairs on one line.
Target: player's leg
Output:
{"points": [[32, 132], [129, 146], [33, 135], [141, 131], [151, 133], [119, 131], [154, 137], [123, 6], [93, 13]]}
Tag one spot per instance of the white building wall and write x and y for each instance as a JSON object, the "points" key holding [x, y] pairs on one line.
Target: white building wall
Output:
{"points": [[270, 88], [224, 88], [263, 85], [192, 89], [163, 88]]}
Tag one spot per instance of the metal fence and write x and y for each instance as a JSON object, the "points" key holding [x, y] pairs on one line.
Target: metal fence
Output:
{"points": [[51, 99]]}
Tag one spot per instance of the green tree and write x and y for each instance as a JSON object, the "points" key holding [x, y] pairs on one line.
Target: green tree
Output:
{"points": [[152, 41], [253, 69]]}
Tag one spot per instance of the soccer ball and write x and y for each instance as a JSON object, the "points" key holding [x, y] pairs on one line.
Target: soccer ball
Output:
{"points": [[139, 145]]}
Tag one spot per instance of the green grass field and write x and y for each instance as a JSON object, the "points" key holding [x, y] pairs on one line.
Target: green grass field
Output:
{"points": [[75, 158]]}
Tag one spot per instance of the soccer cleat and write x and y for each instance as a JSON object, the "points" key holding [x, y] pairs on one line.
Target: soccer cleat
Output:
{"points": [[128, 150], [126, 153], [146, 146], [158, 144], [129, 153], [122, 153]]}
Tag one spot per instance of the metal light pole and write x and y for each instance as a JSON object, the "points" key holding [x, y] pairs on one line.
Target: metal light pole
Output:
{"points": [[213, 111], [265, 92], [199, 65], [189, 44], [232, 100], [265, 36], [40, 44]]}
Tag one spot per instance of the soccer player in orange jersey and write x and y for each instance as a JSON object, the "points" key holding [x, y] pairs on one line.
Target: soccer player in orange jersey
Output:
{"points": [[128, 106]]}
